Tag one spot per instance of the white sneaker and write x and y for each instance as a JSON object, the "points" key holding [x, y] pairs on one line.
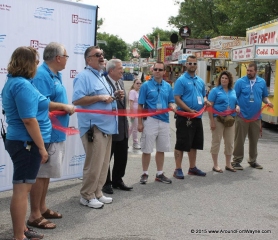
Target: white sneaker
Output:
{"points": [[93, 203], [136, 146], [106, 200]]}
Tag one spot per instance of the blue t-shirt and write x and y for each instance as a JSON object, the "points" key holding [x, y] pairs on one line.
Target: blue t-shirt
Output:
{"points": [[191, 90], [243, 89], [90, 82], [223, 100], [152, 93], [50, 85], [21, 100]]}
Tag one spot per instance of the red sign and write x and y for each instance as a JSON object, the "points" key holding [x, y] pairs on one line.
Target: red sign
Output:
{"points": [[168, 51], [209, 54]]}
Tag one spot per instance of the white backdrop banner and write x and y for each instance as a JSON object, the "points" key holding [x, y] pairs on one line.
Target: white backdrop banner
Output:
{"points": [[36, 23]]}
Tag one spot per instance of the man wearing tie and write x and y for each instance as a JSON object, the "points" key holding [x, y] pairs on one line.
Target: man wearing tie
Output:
{"points": [[119, 141]]}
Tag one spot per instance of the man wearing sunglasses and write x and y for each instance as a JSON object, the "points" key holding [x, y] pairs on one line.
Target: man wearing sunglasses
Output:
{"points": [[190, 96], [91, 91], [155, 94]]}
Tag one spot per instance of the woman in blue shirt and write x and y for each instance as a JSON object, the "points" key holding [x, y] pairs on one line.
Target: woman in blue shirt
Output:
{"points": [[28, 133], [223, 99]]}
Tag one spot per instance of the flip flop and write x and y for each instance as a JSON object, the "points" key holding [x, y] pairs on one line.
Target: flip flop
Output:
{"points": [[215, 170], [39, 223], [48, 215]]}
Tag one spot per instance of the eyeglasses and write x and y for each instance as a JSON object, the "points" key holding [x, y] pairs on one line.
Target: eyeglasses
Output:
{"points": [[66, 56], [191, 63], [98, 55], [158, 69], [138, 83]]}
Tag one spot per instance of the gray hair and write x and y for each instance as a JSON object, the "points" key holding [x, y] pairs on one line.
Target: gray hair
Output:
{"points": [[111, 64], [52, 50]]}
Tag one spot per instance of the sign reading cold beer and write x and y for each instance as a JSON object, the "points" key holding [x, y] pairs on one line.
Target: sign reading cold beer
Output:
{"points": [[266, 52]]}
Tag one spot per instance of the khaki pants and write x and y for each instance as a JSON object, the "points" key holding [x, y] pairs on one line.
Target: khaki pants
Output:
{"points": [[241, 130], [96, 164], [228, 135]]}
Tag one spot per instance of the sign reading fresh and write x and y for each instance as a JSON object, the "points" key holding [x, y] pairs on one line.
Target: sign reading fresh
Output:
{"points": [[146, 43]]}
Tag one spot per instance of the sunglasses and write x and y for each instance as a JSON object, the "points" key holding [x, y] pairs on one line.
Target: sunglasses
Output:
{"points": [[158, 69], [98, 55], [191, 63], [138, 83]]}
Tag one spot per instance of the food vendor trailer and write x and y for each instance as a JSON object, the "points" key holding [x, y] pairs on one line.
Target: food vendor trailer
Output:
{"points": [[262, 48], [218, 57]]}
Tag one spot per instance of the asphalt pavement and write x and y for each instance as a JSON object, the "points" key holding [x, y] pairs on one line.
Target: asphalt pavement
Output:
{"points": [[241, 205]]}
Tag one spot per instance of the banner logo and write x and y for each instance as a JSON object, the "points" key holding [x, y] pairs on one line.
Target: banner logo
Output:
{"points": [[36, 44], [80, 48], [73, 73], [76, 19], [44, 13]]}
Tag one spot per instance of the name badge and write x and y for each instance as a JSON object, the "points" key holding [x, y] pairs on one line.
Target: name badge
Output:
{"points": [[199, 99], [251, 97], [159, 106], [114, 106]]}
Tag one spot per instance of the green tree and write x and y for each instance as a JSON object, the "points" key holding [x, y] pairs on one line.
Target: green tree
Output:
{"points": [[223, 17], [144, 53], [246, 14], [115, 48], [201, 16], [100, 22], [164, 35]]}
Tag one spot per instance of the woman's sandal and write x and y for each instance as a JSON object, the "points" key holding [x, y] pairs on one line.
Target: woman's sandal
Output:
{"points": [[40, 223], [30, 233], [49, 214], [216, 170], [230, 169]]}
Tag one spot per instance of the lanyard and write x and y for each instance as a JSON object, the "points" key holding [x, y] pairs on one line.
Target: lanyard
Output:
{"points": [[100, 79], [252, 82]]}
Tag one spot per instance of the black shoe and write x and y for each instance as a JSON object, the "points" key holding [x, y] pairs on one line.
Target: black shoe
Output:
{"points": [[122, 186], [255, 165], [107, 189], [237, 166]]}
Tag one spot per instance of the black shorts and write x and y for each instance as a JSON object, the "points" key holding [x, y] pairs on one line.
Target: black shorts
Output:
{"points": [[189, 135]]}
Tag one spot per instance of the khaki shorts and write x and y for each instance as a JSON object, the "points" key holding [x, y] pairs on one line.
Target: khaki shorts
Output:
{"points": [[155, 131], [53, 168]]}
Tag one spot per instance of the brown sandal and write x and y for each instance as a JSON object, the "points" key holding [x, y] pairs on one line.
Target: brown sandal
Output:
{"points": [[39, 223], [49, 214]]}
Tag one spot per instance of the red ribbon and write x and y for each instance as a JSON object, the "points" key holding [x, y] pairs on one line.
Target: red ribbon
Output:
{"points": [[257, 115], [57, 125], [142, 113]]}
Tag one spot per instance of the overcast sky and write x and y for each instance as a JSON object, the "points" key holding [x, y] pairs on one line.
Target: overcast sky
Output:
{"points": [[131, 19]]}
